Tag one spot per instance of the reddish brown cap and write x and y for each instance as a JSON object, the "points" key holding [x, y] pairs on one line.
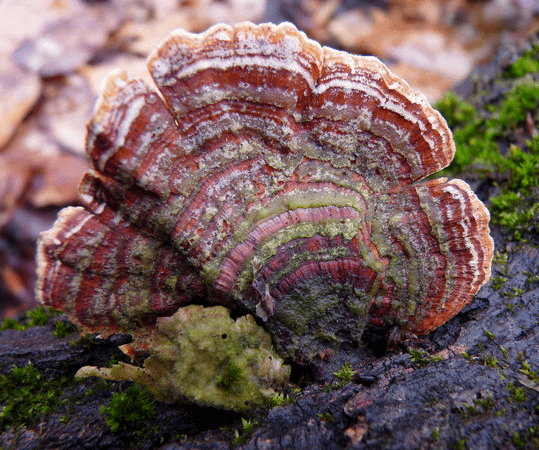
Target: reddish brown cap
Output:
{"points": [[274, 176]]}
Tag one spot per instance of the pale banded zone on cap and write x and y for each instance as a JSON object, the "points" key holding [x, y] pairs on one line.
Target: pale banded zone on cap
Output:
{"points": [[271, 175]]}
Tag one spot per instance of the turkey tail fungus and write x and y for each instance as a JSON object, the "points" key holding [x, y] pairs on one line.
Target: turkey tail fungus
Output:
{"points": [[272, 176]]}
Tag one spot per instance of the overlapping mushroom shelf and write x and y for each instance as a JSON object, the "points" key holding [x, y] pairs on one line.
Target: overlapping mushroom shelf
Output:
{"points": [[274, 176]]}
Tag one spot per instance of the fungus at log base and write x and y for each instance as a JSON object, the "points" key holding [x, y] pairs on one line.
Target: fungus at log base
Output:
{"points": [[272, 176]]}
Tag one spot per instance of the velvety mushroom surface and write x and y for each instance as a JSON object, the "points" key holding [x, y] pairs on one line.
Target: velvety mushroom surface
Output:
{"points": [[272, 176]]}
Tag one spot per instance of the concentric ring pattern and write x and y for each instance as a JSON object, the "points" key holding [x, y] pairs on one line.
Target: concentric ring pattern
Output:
{"points": [[274, 176]]}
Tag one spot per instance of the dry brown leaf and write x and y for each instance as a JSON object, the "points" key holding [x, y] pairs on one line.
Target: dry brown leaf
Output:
{"points": [[14, 179], [67, 43], [55, 174], [19, 90], [141, 38], [23, 19], [65, 110]]}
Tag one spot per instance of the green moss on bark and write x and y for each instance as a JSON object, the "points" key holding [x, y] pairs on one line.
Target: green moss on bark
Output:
{"points": [[493, 142]]}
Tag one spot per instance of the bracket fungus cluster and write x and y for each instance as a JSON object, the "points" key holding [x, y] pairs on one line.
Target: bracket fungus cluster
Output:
{"points": [[272, 176]]}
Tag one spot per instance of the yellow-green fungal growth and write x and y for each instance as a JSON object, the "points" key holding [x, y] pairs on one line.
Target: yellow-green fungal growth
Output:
{"points": [[203, 355]]}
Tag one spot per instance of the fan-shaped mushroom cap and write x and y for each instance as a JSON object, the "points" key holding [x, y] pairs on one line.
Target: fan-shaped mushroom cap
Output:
{"points": [[271, 175]]}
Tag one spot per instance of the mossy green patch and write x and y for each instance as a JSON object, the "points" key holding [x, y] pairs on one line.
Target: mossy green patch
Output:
{"points": [[40, 316], [63, 329], [527, 63], [130, 410], [421, 358], [526, 370], [456, 111], [489, 361], [11, 324], [26, 396], [480, 406], [480, 138], [345, 374], [468, 132], [497, 282], [476, 133], [232, 374], [241, 436], [435, 435], [518, 102], [36, 317], [516, 206]]}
